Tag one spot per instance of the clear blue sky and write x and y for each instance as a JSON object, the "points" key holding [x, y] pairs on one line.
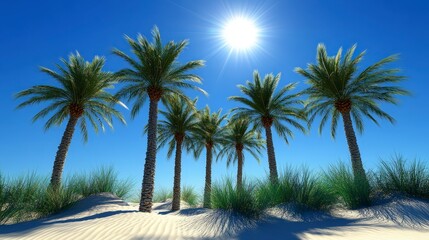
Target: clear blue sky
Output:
{"points": [[38, 33]]}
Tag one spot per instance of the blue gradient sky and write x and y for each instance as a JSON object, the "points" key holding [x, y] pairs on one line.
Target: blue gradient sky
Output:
{"points": [[37, 34]]}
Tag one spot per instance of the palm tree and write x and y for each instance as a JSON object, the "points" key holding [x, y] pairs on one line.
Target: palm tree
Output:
{"points": [[80, 96], [267, 108], [175, 130], [155, 74], [208, 134], [338, 89], [239, 138]]}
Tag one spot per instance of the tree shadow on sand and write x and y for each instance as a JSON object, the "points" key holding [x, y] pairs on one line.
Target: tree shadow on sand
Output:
{"points": [[404, 211], [288, 225]]}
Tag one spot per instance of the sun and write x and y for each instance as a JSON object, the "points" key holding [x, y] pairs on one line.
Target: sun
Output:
{"points": [[240, 33]]}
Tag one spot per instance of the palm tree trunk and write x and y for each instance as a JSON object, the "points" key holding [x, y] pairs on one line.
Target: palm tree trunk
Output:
{"points": [[240, 170], [177, 172], [271, 155], [63, 148], [150, 161], [208, 184], [357, 165]]}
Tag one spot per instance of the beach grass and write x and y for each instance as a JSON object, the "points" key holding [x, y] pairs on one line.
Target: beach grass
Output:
{"points": [[30, 196], [190, 196], [298, 186], [18, 197], [340, 181], [405, 177], [226, 196], [162, 195], [104, 179]]}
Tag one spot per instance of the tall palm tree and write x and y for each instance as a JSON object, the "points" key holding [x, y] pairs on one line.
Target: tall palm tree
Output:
{"points": [[208, 135], [155, 73], [337, 89], [180, 121], [80, 96], [239, 138], [266, 108]]}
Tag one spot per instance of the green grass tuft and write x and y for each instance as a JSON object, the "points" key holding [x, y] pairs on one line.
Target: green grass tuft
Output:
{"points": [[243, 200], [189, 195], [104, 179], [53, 201], [341, 182], [29, 197], [162, 195], [396, 176], [295, 186]]}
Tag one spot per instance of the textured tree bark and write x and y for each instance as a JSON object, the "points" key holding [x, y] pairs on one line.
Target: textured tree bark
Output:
{"points": [[271, 155], [177, 173], [149, 166], [357, 165], [60, 157], [208, 184], [240, 170]]}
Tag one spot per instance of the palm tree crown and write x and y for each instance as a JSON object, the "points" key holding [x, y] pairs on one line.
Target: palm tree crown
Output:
{"points": [[155, 73], [80, 97], [266, 108], [209, 131], [336, 86], [81, 94], [238, 136], [180, 121]]}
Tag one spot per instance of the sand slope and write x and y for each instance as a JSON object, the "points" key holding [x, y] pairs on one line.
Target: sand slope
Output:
{"points": [[104, 216]]}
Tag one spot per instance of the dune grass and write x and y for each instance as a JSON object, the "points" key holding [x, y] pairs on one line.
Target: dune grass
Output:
{"points": [[103, 179], [162, 195], [52, 201], [30, 197], [306, 190], [401, 176], [19, 196], [190, 196], [339, 180], [187, 194], [297, 186], [242, 200]]}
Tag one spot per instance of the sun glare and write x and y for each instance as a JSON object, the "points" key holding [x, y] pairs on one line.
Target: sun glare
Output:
{"points": [[240, 33]]}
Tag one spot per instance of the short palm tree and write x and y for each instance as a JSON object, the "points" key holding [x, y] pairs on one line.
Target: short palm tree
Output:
{"points": [[155, 73], [208, 135], [337, 89], [267, 108], [238, 139], [175, 131], [80, 96]]}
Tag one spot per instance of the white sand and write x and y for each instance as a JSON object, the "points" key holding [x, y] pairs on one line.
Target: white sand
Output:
{"points": [[106, 217]]}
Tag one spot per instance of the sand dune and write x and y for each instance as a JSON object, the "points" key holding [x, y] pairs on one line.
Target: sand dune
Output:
{"points": [[104, 216]]}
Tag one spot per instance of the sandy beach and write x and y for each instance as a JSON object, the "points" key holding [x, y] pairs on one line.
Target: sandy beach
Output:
{"points": [[105, 216]]}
